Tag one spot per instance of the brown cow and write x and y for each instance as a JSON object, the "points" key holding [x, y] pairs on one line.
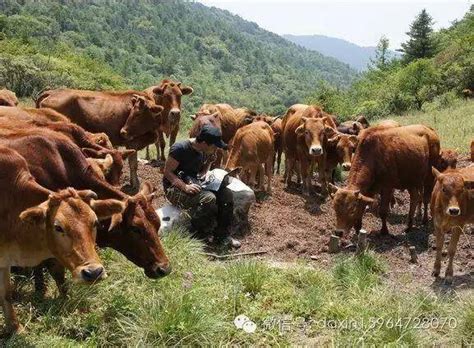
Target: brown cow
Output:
{"points": [[8, 98], [448, 159], [37, 224], [275, 124], [88, 142], [168, 94], [387, 159], [452, 207], [128, 118], [340, 148], [101, 166], [57, 163], [305, 131], [229, 121], [252, 149]]}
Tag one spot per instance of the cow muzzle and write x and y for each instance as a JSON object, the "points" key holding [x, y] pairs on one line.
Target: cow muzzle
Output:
{"points": [[453, 211], [90, 273], [316, 150], [346, 166], [156, 271], [174, 115]]}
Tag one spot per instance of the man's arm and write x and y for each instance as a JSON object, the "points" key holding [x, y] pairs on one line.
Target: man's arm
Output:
{"points": [[170, 166]]}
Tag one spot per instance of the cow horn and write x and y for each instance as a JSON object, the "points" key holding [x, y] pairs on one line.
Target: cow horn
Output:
{"points": [[87, 195]]}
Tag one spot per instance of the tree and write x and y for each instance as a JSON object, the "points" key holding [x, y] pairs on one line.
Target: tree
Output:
{"points": [[421, 43], [381, 54]]}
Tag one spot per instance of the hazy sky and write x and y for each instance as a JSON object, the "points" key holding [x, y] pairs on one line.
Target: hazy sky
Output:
{"points": [[361, 22]]}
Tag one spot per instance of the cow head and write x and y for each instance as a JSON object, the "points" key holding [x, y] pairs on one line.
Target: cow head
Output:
{"points": [[344, 145], [101, 139], [70, 219], [313, 131], [453, 191], [144, 117], [134, 233], [110, 170], [448, 159], [202, 119], [168, 94], [363, 121], [349, 206]]}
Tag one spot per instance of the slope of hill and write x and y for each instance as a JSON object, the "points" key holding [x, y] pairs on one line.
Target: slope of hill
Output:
{"points": [[112, 44], [357, 57]]}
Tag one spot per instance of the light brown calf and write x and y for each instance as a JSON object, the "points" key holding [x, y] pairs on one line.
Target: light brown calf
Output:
{"points": [[252, 149], [452, 207]]}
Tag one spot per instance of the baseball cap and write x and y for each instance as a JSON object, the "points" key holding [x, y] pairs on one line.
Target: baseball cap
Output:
{"points": [[212, 136]]}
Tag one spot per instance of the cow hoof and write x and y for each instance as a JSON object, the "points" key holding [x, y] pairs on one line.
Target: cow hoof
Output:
{"points": [[12, 330]]}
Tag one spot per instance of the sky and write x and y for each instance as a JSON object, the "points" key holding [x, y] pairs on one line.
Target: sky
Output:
{"points": [[362, 22]]}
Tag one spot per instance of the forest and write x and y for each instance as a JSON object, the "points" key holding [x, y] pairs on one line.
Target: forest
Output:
{"points": [[135, 44]]}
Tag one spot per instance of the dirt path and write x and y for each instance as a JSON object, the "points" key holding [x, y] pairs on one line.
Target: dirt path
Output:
{"points": [[292, 227]]}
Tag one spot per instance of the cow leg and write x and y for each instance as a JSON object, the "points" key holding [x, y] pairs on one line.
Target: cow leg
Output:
{"points": [[253, 176], [414, 200], [427, 191], [269, 173], [453, 244], [133, 162], [58, 272], [160, 147], [278, 161], [305, 168], [385, 198], [322, 175], [261, 178], [40, 282], [290, 163], [173, 135], [439, 232], [11, 321]]}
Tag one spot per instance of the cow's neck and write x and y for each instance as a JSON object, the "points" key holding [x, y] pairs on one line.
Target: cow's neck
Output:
{"points": [[361, 176]]}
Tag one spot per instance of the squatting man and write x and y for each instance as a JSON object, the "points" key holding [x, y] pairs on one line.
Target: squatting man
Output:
{"points": [[211, 212]]}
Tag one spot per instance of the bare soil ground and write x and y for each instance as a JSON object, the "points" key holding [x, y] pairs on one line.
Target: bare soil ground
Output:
{"points": [[291, 227]]}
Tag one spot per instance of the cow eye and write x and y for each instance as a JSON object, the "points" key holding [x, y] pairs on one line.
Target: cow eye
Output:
{"points": [[58, 228]]}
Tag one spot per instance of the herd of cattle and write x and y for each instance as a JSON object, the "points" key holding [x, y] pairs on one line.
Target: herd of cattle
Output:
{"points": [[61, 170]]}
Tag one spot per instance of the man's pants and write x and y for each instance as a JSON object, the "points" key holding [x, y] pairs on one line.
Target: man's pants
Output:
{"points": [[210, 212]]}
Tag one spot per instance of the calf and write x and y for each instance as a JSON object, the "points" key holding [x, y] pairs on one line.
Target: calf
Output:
{"points": [[340, 148], [452, 207], [275, 124], [252, 149], [353, 127], [37, 224]]}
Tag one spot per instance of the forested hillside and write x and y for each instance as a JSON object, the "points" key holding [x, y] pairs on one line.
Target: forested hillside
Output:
{"points": [[134, 44], [357, 57], [422, 79]]}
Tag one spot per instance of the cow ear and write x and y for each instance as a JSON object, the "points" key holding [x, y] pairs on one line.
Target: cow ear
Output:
{"points": [[106, 208], [333, 141], [158, 90], [156, 109], [115, 220], [332, 188], [135, 98], [107, 163], [126, 153], [147, 188], [87, 195], [35, 215], [186, 90], [435, 172], [354, 140], [300, 129], [304, 119], [330, 132], [248, 120], [87, 151]]}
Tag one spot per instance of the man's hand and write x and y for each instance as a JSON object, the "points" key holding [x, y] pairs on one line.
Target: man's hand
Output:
{"points": [[192, 189]]}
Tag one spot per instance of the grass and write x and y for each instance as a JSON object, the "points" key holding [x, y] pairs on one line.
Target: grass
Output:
{"points": [[349, 303], [454, 125]]}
